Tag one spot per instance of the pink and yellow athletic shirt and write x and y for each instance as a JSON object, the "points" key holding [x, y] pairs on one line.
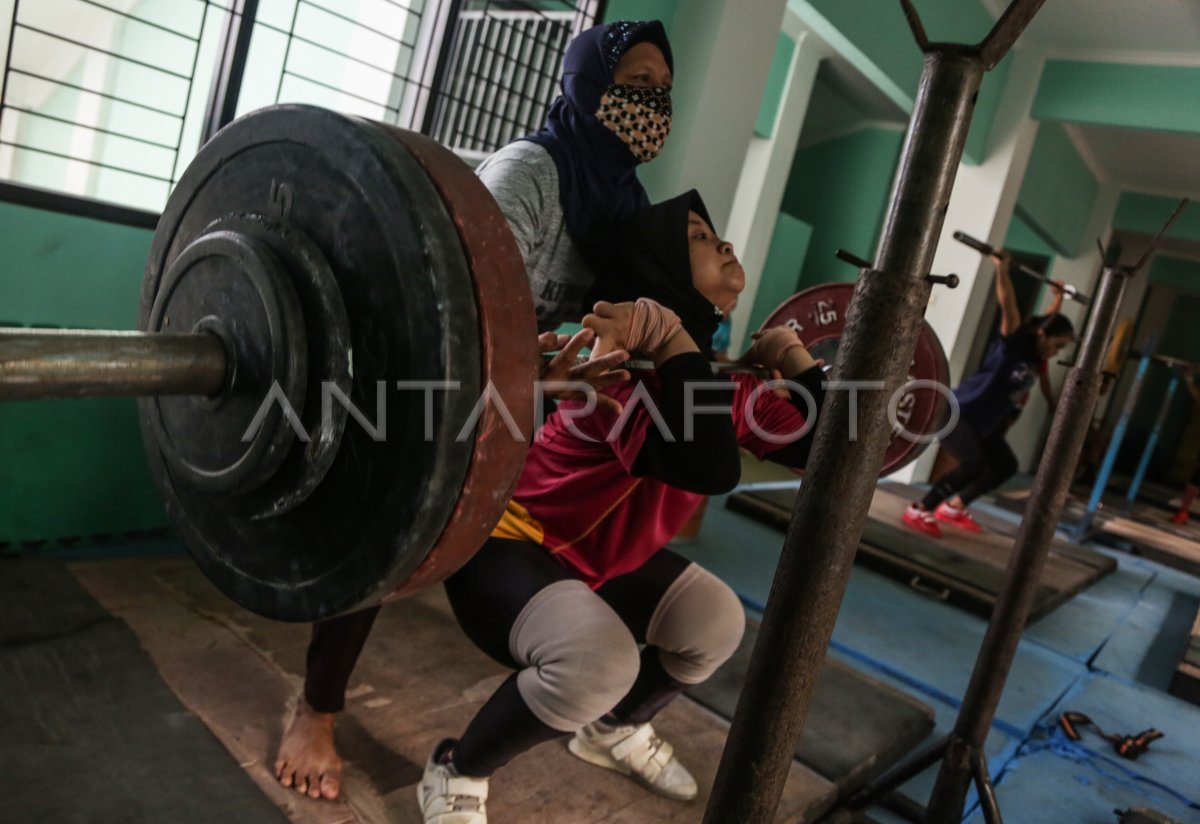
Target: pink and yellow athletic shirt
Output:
{"points": [[578, 498]]}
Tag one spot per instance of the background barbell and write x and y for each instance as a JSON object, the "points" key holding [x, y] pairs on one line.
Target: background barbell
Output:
{"points": [[987, 249]]}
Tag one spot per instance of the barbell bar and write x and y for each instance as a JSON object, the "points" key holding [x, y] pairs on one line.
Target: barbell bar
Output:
{"points": [[305, 266], [988, 250]]}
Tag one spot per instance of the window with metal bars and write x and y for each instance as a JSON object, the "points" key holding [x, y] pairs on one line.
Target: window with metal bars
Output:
{"points": [[500, 70], [110, 99], [98, 95]]}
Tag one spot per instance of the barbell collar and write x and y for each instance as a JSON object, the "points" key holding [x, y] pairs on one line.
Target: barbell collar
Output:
{"points": [[79, 363]]}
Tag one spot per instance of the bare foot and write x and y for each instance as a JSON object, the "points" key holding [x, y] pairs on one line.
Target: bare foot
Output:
{"points": [[307, 758]]}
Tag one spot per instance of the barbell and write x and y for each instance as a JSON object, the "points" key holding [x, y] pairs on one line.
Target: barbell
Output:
{"points": [[316, 287], [988, 250]]}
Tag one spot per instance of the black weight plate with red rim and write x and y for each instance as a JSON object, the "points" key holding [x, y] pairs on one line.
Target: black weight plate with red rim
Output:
{"points": [[406, 284]]}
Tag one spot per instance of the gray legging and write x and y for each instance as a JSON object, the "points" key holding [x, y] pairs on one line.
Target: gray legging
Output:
{"points": [[576, 651], [984, 462]]}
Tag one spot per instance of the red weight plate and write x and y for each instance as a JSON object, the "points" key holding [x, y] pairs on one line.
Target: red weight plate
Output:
{"points": [[508, 346], [819, 316]]}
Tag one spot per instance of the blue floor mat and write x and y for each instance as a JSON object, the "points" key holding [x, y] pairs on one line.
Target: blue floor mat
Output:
{"points": [[1079, 627], [1165, 778], [889, 629], [1151, 640], [1128, 624], [1056, 786]]}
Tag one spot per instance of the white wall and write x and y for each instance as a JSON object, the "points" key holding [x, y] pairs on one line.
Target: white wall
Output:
{"points": [[981, 205], [721, 69], [1028, 434], [764, 177]]}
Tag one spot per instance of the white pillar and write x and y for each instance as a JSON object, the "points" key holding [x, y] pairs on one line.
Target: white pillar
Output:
{"points": [[764, 176], [1029, 432], [721, 70], [981, 205]]}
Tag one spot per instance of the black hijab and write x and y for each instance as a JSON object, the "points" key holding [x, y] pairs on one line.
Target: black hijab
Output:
{"points": [[646, 256], [597, 177]]}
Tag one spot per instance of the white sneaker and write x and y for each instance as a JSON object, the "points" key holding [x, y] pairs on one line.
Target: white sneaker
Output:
{"points": [[449, 798], [635, 751]]}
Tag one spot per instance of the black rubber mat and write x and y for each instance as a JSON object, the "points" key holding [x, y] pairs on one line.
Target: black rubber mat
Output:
{"points": [[962, 569], [856, 728], [88, 730], [1143, 529]]}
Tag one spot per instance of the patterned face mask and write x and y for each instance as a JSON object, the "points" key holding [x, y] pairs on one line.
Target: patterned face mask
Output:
{"points": [[639, 115]]}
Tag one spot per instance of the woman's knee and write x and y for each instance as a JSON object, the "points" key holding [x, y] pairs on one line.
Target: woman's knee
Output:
{"points": [[697, 626], [579, 658]]}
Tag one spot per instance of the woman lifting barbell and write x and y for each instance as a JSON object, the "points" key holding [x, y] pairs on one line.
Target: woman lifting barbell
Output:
{"points": [[553, 187], [576, 576], [989, 402]]}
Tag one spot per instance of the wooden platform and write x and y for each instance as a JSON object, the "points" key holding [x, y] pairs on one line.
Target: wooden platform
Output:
{"points": [[964, 569], [1146, 528], [1186, 682], [419, 680]]}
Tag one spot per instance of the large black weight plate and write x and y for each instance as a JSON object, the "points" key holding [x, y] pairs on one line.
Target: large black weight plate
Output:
{"points": [[321, 303], [393, 250]]}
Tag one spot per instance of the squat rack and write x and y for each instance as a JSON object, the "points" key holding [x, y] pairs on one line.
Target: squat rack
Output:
{"points": [[849, 443]]}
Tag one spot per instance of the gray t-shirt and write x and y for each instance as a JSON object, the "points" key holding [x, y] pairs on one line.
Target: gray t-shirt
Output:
{"points": [[524, 180]]}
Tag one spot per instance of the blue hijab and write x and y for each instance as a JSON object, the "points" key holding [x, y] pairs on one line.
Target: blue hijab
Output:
{"points": [[597, 174]]}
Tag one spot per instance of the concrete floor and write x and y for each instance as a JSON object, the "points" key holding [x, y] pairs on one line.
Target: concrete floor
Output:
{"points": [[419, 680]]}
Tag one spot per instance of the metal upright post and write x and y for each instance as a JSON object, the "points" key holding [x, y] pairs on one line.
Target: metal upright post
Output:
{"points": [[1082, 388], [964, 756], [1084, 527], [853, 430], [1152, 442], [231, 66]]}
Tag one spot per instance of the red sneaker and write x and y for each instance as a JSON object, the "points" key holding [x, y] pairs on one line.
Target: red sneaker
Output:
{"points": [[1180, 517], [959, 517], [922, 521]]}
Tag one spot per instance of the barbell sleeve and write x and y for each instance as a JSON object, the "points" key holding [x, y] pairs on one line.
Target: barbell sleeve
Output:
{"points": [[78, 363]]}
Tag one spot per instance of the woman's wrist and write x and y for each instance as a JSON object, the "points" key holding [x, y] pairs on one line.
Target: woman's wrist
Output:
{"points": [[796, 361], [677, 344]]}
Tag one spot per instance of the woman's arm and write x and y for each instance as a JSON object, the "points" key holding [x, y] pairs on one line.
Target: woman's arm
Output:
{"points": [[700, 453], [1047, 391], [1010, 313], [795, 454], [1056, 300]]}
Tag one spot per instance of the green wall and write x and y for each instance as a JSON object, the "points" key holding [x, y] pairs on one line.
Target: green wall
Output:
{"points": [[772, 100], [840, 188], [1147, 214], [1058, 192], [1160, 98], [781, 272], [72, 468], [1176, 272], [1180, 338], [1021, 237], [663, 10], [882, 45]]}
